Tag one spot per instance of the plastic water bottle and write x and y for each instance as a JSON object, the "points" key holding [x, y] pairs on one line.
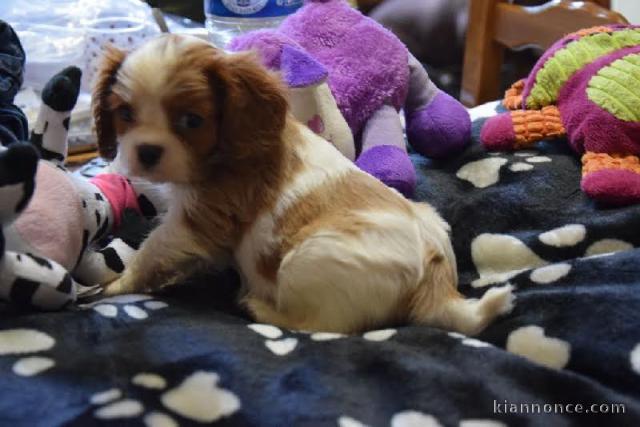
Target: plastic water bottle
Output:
{"points": [[227, 19]]}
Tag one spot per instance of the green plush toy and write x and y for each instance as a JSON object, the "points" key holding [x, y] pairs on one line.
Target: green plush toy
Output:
{"points": [[587, 87]]}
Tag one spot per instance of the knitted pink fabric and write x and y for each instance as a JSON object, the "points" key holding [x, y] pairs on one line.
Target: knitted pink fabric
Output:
{"points": [[119, 193]]}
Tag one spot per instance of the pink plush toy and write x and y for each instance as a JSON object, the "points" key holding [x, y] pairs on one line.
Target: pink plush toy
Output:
{"points": [[57, 227], [349, 77]]}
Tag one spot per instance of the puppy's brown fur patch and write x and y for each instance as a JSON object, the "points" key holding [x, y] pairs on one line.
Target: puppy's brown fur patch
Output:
{"points": [[101, 104], [330, 207]]}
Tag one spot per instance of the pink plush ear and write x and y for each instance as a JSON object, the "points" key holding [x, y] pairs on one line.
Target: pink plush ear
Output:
{"points": [[498, 133]]}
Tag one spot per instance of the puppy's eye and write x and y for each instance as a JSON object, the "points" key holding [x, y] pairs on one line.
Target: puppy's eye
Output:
{"points": [[190, 121], [125, 113]]}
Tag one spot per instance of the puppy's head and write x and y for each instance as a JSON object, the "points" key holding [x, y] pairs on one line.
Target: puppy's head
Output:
{"points": [[179, 110]]}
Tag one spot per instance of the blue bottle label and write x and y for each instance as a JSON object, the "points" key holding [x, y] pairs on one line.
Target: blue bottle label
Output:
{"points": [[251, 8]]}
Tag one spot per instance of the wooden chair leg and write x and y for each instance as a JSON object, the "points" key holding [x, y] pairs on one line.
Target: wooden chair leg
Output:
{"points": [[483, 56]]}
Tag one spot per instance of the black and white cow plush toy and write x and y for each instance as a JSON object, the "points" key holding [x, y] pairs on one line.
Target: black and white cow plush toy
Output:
{"points": [[60, 230]]}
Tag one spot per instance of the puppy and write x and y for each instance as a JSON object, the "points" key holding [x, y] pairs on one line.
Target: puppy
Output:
{"points": [[320, 245]]}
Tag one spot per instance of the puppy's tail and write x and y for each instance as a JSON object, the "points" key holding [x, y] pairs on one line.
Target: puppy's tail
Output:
{"points": [[438, 303]]}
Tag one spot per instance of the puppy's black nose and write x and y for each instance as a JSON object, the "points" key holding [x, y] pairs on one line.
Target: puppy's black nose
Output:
{"points": [[149, 154]]}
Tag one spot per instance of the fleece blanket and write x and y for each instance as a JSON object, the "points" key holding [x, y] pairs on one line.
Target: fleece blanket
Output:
{"points": [[568, 354]]}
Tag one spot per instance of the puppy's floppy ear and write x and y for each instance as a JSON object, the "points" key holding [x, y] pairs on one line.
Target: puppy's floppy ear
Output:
{"points": [[102, 114], [254, 106]]}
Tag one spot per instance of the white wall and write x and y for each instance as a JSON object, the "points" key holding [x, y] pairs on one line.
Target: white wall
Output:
{"points": [[629, 8]]}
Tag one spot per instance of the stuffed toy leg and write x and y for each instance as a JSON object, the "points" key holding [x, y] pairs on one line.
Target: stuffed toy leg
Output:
{"points": [[59, 96], [585, 87], [437, 126]]}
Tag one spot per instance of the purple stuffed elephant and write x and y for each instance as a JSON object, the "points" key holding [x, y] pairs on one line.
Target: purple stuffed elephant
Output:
{"points": [[328, 52]]}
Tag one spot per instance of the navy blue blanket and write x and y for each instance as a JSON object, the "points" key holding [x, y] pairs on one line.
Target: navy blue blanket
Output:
{"points": [[568, 355]]}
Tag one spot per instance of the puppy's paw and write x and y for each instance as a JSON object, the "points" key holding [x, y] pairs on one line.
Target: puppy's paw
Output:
{"points": [[117, 287], [112, 288], [498, 301]]}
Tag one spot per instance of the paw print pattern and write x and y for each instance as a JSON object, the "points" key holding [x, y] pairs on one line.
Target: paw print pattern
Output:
{"points": [[471, 342], [198, 397], [500, 257], [275, 343], [532, 343], [485, 172], [634, 358], [16, 342], [133, 306], [346, 421], [411, 418], [282, 346]]}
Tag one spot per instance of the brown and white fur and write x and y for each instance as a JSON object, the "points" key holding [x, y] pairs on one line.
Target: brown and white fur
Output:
{"points": [[320, 245]]}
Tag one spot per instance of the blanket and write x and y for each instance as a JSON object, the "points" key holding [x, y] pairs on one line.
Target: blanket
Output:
{"points": [[568, 354]]}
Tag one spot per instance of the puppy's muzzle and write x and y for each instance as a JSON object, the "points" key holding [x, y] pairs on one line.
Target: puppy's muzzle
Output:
{"points": [[149, 155]]}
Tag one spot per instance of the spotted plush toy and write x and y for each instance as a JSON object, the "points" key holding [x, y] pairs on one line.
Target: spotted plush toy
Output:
{"points": [[60, 230], [587, 87], [348, 78]]}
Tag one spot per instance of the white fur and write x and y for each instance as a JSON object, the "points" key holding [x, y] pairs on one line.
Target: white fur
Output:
{"points": [[335, 280]]}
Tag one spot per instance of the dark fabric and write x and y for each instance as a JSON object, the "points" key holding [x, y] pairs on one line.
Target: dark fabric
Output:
{"points": [[203, 350], [13, 123], [12, 58]]}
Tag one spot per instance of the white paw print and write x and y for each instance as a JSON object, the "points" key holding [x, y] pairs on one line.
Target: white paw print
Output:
{"points": [[634, 358], [530, 158], [134, 306], [283, 346], [198, 398], [15, 342], [500, 257], [277, 345], [532, 343], [486, 172], [471, 342]]}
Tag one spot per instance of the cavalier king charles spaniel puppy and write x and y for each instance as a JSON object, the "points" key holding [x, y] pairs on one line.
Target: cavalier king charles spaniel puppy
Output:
{"points": [[320, 245]]}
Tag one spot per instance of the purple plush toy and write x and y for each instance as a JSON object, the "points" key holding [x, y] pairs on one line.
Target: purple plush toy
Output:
{"points": [[349, 77]]}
